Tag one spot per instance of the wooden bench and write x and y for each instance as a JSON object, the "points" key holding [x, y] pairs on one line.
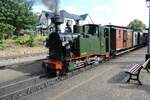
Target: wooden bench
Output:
{"points": [[135, 71]]}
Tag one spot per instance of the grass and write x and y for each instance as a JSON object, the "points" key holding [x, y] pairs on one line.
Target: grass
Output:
{"points": [[22, 46], [23, 41], [3, 46]]}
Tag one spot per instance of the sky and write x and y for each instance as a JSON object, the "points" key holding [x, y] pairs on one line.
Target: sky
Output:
{"points": [[116, 12]]}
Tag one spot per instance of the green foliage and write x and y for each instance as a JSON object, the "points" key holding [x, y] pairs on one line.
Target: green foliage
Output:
{"points": [[30, 41], [17, 13], [39, 39], [26, 40], [21, 41], [1, 37], [137, 25], [2, 46], [6, 31]]}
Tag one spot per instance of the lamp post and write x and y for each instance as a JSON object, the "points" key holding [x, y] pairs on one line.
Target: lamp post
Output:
{"points": [[148, 49]]}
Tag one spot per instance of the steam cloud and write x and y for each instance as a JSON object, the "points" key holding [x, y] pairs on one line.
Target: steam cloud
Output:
{"points": [[53, 5]]}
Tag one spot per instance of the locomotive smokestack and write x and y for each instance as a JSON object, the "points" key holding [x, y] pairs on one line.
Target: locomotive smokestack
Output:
{"points": [[53, 5]]}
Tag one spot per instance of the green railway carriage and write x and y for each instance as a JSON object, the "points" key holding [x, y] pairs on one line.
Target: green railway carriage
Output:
{"points": [[145, 38], [138, 38]]}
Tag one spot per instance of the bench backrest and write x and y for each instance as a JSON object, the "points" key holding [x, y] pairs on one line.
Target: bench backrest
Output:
{"points": [[135, 68]]}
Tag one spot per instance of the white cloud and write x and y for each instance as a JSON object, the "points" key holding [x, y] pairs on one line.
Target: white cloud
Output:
{"points": [[101, 13], [127, 10], [120, 12], [105, 8], [39, 8]]}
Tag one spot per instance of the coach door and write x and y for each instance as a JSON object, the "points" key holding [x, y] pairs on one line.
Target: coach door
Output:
{"points": [[107, 38], [124, 39]]}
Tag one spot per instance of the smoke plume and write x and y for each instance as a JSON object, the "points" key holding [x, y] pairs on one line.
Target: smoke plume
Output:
{"points": [[53, 5]]}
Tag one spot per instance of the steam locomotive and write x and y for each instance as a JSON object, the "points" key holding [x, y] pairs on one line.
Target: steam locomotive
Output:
{"points": [[88, 44]]}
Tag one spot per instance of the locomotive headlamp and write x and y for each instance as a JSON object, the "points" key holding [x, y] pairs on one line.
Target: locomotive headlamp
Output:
{"points": [[148, 3]]}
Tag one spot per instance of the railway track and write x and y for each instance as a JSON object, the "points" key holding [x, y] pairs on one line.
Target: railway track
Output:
{"points": [[22, 88], [19, 89]]}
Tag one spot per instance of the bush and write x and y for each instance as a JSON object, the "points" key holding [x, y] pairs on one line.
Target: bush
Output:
{"points": [[39, 40], [26, 40], [21, 41], [2, 46], [1, 37], [30, 41]]}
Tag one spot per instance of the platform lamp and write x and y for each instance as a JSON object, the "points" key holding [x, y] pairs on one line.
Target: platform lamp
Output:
{"points": [[148, 49]]}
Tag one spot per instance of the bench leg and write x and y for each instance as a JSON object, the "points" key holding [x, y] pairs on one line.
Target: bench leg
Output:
{"points": [[129, 78], [147, 70], [138, 80]]}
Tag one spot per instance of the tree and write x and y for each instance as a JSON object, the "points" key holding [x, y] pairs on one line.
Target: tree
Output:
{"points": [[17, 13], [6, 30], [137, 25]]}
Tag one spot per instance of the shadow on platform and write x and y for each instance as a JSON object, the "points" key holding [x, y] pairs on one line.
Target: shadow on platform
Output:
{"points": [[121, 78], [118, 78]]}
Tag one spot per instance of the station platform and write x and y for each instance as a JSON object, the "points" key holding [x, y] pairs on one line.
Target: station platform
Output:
{"points": [[104, 82]]}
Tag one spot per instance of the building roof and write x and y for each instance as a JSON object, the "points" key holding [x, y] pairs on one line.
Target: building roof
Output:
{"points": [[66, 14], [115, 26], [84, 16]]}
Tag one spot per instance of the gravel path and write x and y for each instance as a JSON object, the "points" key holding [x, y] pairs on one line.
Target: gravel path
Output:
{"points": [[9, 62], [21, 51], [105, 82], [22, 55]]}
